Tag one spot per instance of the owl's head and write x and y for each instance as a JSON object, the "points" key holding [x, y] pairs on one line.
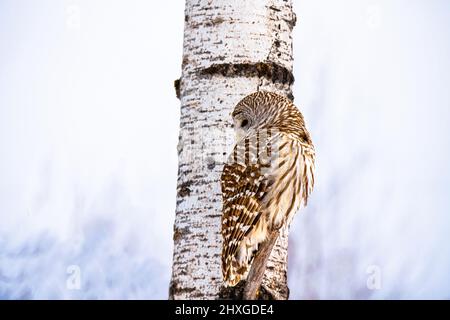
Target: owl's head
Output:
{"points": [[262, 110]]}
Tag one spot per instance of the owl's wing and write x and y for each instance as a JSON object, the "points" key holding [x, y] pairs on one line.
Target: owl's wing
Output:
{"points": [[245, 181]]}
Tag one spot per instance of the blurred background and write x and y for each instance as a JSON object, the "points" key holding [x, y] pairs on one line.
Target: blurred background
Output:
{"points": [[89, 128]]}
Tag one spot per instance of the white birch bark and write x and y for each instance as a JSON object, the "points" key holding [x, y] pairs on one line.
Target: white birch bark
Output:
{"points": [[231, 49]]}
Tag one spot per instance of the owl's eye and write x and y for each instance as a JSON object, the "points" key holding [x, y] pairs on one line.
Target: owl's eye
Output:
{"points": [[244, 123]]}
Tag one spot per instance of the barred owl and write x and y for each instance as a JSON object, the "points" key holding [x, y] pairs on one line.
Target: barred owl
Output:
{"points": [[267, 177]]}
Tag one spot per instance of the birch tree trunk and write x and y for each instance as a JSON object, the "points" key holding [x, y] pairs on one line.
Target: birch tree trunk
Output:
{"points": [[231, 49]]}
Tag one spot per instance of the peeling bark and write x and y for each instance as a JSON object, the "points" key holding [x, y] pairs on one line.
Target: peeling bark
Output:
{"points": [[231, 49]]}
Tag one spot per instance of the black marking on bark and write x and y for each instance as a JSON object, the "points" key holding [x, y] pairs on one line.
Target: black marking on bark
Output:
{"points": [[217, 20], [175, 289], [185, 61], [213, 215], [184, 189], [210, 163], [269, 70], [209, 23], [176, 85], [274, 8], [292, 22], [179, 233]]}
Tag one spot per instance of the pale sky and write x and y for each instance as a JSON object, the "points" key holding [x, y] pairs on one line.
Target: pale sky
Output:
{"points": [[88, 134]]}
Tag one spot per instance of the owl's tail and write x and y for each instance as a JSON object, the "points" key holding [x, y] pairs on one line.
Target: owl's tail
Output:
{"points": [[236, 267], [233, 272]]}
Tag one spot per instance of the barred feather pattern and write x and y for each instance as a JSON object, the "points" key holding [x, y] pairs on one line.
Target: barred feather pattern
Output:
{"points": [[267, 177]]}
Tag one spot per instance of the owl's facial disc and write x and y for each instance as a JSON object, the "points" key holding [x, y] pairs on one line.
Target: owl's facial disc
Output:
{"points": [[241, 125]]}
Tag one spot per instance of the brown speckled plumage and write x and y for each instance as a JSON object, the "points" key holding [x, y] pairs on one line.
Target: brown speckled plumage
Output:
{"points": [[269, 174]]}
